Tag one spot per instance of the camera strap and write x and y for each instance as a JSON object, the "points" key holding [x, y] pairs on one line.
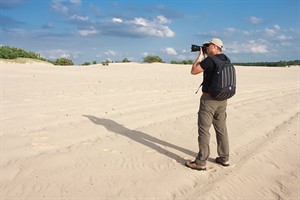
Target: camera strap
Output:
{"points": [[202, 82], [199, 88]]}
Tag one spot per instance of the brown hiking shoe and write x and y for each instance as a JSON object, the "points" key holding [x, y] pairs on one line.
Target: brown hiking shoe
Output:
{"points": [[221, 161], [193, 165]]}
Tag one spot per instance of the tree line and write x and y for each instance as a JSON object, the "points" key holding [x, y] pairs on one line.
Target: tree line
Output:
{"points": [[270, 64], [7, 52]]}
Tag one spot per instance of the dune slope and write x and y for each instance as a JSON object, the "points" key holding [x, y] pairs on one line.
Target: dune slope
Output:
{"points": [[124, 132]]}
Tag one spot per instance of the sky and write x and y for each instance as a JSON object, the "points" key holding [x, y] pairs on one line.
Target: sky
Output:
{"points": [[99, 30]]}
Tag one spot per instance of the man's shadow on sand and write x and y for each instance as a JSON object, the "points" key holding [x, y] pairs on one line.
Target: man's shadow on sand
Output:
{"points": [[142, 138]]}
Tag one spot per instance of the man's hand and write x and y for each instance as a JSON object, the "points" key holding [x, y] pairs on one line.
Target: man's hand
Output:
{"points": [[196, 68]]}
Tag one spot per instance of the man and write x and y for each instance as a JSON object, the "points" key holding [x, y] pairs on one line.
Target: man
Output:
{"points": [[211, 111]]}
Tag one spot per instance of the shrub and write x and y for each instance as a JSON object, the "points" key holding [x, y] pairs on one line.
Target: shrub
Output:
{"points": [[86, 63], [63, 61], [185, 62], [152, 59], [105, 63], [125, 60], [7, 52]]}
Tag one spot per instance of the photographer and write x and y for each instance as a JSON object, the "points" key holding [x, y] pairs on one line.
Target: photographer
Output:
{"points": [[211, 111]]}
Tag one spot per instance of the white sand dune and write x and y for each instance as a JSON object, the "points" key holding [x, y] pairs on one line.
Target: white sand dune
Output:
{"points": [[123, 131]]}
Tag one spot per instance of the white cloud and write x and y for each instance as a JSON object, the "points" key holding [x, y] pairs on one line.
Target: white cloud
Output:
{"points": [[255, 20], [168, 32], [186, 56], [276, 27], [77, 2], [117, 20], [139, 21], [88, 32], [146, 27], [155, 31], [58, 6], [258, 48], [79, 18], [284, 40], [270, 32], [181, 57], [65, 55], [162, 20], [282, 37], [246, 32], [170, 51], [230, 30], [111, 53], [137, 27], [252, 46], [59, 53]]}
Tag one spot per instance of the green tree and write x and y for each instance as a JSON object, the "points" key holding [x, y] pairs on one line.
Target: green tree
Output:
{"points": [[184, 62], [105, 63], [125, 60], [152, 59], [7, 52], [86, 63], [63, 61]]}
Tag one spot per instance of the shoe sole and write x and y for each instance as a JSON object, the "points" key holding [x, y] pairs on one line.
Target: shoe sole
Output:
{"points": [[195, 168], [225, 164]]}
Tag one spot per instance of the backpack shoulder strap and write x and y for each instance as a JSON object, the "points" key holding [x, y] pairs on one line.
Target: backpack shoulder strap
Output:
{"points": [[218, 60], [227, 59]]}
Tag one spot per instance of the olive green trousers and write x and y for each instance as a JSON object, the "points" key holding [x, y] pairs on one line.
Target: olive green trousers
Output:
{"points": [[212, 112]]}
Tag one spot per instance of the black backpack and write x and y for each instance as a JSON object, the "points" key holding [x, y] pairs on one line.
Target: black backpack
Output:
{"points": [[223, 83]]}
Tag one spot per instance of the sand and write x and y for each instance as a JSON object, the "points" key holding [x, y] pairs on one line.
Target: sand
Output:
{"points": [[124, 131]]}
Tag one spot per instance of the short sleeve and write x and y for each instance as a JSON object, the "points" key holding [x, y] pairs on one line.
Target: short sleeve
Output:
{"points": [[207, 63]]}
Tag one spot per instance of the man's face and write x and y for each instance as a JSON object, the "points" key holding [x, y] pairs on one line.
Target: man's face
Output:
{"points": [[209, 49]]}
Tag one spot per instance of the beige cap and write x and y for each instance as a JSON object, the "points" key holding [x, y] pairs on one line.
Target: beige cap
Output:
{"points": [[217, 41]]}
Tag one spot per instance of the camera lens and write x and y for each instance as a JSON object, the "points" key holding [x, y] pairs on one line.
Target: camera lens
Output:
{"points": [[195, 48]]}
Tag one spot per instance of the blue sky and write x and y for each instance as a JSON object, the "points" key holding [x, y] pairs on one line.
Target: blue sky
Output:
{"points": [[88, 30]]}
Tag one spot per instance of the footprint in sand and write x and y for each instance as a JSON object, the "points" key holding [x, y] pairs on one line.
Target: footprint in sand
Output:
{"points": [[40, 143], [150, 151], [110, 150]]}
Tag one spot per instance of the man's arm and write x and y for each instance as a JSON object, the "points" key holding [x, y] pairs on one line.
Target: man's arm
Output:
{"points": [[196, 68]]}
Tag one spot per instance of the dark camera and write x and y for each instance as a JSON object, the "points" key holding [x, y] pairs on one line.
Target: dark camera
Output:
{"points": [[196, 48]]}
